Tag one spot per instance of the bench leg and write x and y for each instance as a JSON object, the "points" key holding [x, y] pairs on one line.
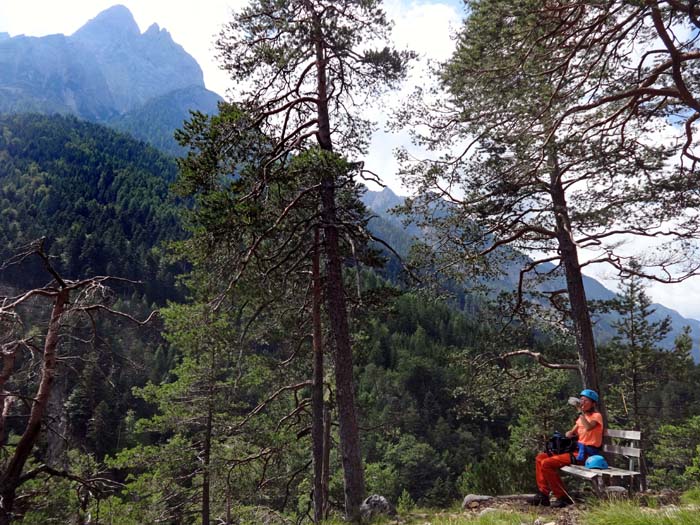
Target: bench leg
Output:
{"points": [[598, 486]]}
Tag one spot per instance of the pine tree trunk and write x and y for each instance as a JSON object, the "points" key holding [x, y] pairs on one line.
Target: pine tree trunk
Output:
{"points": [[317, 387], [337, 312], [326, 475], [206, 478], [345, 391], [580, 315]]}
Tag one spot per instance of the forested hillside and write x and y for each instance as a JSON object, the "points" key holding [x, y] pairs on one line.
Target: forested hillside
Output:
{"points": [[99, 197], [400, 233], [433, 429]]}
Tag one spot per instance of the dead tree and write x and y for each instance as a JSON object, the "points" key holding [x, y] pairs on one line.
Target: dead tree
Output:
{"points": [[68, 299]]}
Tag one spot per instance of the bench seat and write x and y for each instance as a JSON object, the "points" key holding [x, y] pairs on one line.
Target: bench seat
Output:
{"points": [[601, 477], [589, 473]]}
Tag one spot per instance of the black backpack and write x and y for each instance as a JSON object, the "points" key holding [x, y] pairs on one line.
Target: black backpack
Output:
{"points": [[559, 444]]}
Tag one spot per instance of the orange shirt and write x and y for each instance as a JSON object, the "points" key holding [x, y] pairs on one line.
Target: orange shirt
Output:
{"points": [[593, 437]]}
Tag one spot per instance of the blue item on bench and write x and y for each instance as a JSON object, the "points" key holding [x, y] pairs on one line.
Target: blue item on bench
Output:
{"points": [[585, 451], [596, 461]]}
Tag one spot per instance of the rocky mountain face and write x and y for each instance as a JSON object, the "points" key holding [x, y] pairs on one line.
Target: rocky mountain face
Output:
{"points": [[107, 72], [136, 67], [390, 228]]}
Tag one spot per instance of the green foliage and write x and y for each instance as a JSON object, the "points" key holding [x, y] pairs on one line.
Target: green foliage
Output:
{"points": [[417, 462], [481, 478], [53, 502], [57, 499], [498, 517], [541, 411], [383, 479], [405, 503], [675, 456], [691, 497], [162, 481], [634, 363], [99, 197]]}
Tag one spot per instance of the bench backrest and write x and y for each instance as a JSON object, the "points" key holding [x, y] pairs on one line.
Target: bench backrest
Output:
{"points": [[625, 443]]}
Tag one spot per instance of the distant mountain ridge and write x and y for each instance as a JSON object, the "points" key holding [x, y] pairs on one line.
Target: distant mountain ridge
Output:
{"points": [[106, 72], [388, 225]]}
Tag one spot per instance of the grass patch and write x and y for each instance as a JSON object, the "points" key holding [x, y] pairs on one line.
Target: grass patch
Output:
{"points": [[691, 497], [419, 517], [630, 513]]}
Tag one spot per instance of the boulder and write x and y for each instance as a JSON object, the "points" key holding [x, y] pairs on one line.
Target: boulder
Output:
{"points": [[472, 501], [376, 505]]}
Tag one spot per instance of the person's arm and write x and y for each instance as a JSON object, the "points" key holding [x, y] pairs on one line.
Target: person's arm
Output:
{"points": [[588, 424], [571, 433]]}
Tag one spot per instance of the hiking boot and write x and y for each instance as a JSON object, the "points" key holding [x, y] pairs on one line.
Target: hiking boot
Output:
{"points": [[562, 502], [539, 499]]}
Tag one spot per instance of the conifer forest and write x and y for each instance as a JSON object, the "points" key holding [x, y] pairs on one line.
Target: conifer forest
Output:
{"points": [[214, 311]]}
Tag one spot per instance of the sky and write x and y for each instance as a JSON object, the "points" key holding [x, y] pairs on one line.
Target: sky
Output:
{"points": [[425, 26]]}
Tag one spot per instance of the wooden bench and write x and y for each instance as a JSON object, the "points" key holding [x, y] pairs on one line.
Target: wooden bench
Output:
{"points": [[620, 443]]}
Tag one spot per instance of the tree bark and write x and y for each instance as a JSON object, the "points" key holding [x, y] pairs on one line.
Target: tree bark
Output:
{"points": [[206, 478], [345, 390], [326, 474], [580, 315], [317, 386], [10, 478]]}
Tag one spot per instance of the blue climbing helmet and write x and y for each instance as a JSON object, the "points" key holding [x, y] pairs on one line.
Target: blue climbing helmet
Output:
{"points": [[590, 394], [596, 461]]}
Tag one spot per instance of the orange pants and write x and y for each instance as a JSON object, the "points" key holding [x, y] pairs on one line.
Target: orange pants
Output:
{"points": [[547, 473]]}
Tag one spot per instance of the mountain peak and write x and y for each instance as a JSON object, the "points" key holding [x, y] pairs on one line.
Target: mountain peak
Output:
{"points": [[116, 20], [154, 29], [381, 201]]}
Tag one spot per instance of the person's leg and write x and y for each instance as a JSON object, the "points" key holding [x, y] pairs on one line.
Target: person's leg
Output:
{"points": [[542, 485], [550, 473], [542, 496]]}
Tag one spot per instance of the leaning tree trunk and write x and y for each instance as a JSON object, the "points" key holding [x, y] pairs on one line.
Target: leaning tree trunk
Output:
{"points": [[580, 315], [335, 301], [10, 479]]}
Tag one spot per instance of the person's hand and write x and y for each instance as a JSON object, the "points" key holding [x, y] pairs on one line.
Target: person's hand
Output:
{"points": [[570, 434]]}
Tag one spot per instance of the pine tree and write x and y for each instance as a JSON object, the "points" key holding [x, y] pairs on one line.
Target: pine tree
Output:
{"points": [[310, 65], [635, 359]]}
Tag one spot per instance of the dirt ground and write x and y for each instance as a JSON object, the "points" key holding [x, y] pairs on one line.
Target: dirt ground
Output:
{"points": [[566, 516]]}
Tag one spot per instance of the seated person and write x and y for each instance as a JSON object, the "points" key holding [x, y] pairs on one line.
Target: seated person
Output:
{"points": [[589, 431]]}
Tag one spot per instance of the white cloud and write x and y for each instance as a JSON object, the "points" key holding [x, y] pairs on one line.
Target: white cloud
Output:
{"points": [[427, 29]]}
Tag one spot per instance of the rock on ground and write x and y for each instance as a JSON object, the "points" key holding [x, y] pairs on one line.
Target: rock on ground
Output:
{"points": [[376, 505]]}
